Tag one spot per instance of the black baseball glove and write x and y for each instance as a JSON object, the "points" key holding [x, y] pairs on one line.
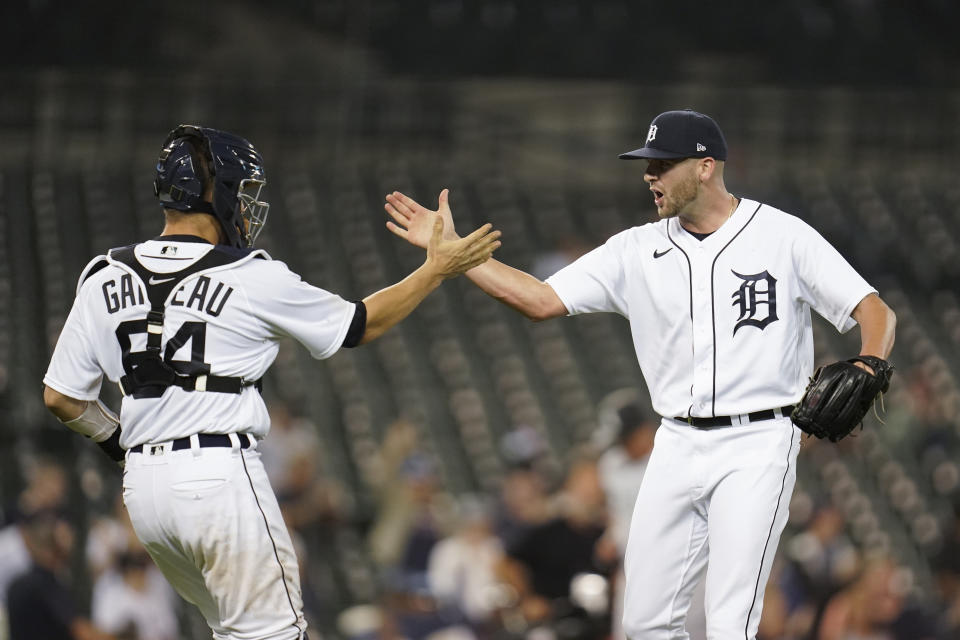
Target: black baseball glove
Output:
{"points": [[839, 396]]}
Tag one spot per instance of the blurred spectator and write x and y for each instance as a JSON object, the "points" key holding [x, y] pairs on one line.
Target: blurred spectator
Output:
{"points": [[821, 559], [412, 512], [45, 490], [462, 567], [541, 564], [773, 621], [523, 446], [361, 622], [109, 537], [14, 557], [526, 447], [781, 619], [946, 575], [568, 248], [408, 541], [874, 607], [291, 457], [865, 609], [40, 604], [134, 601], [311, 504], [522, 504], [46, 486], [430, 514], [621, 469], [131, 598], [412, 614]]}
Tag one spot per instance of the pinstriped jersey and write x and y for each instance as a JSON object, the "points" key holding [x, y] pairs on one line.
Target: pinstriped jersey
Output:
{"points": [[720, 326], [226, 321]]}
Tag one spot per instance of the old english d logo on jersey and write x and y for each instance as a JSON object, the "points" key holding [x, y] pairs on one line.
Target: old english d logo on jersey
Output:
{"points": [[757, 289]]}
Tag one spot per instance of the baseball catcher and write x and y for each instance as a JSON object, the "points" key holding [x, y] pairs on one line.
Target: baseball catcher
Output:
{"points": [[187, 324], [839, 396]]}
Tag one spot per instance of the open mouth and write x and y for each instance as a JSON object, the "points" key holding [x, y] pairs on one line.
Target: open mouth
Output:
{"points": [[657, 197]]}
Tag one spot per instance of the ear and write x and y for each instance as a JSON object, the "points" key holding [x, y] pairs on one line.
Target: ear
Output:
{"points": [[705, 169]]}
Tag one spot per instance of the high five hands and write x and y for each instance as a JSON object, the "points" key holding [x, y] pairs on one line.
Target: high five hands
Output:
{"points": [[450, 254], [515, 288], [450, 258], [414, 223]]}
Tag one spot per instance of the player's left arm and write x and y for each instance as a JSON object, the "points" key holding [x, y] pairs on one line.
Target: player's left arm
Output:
{"points": [[828, 284], [878, 325]]}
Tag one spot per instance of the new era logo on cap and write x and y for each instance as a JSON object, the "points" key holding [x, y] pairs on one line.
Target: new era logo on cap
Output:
{"points": [[682, 134]]}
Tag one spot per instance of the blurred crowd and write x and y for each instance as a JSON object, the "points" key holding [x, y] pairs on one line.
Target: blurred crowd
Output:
{"points": [[39, 565], [538, 558]]}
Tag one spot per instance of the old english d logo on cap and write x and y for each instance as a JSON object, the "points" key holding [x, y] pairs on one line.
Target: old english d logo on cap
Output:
{"points": [[682, 134]]}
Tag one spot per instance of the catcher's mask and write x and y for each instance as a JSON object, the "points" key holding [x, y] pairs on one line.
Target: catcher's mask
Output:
{"points": [[189, 155]]}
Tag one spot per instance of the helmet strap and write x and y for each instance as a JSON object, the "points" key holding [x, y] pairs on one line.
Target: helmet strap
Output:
{"points": [[193, 203]]}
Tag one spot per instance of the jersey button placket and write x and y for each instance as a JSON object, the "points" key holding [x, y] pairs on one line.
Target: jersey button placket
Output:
{"points": [[702, 334]]}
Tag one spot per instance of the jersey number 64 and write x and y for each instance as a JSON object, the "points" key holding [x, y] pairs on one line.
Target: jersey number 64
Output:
{"points": [[195, 332]]}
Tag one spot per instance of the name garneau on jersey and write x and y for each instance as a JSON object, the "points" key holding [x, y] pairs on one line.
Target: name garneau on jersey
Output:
{"points": [[721, 326], [207, 296]]}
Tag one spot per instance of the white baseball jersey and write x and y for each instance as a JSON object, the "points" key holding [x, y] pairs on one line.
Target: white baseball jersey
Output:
{"points": [[229, 317], [720, 326]]}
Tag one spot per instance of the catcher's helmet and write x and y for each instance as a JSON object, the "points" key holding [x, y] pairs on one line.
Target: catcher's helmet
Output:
{"points": [[233, 165]]}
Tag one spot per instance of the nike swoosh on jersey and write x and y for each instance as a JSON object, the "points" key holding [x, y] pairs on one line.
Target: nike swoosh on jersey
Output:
{"points": [[660, 254], [154, 280]]}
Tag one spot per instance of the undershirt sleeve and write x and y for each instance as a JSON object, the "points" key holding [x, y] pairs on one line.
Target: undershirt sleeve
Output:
{"points": [[358, 326]]}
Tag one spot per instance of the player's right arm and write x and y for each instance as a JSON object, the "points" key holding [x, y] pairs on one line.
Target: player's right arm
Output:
{"points": [[515, 288], [72, 385], [90, 418]]}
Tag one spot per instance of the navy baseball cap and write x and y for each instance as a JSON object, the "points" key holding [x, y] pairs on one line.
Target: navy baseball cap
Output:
{"points": [[681, 134]]}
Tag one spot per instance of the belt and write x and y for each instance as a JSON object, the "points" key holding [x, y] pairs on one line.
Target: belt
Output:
{"points": [[726, 421], [205, 440]]}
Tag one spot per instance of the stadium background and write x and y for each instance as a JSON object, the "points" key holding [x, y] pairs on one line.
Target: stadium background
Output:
{"points": [[846, 113]]}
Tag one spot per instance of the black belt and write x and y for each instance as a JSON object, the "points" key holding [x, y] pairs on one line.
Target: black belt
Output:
{"points": [[206, 440], [726, 421]]}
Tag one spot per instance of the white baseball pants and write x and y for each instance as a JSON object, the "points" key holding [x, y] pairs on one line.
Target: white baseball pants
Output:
{"points": [[211, 522], [721, 493]]}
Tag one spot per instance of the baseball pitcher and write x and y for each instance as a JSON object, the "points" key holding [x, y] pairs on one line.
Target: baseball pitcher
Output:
{"points": [[718, 295]]}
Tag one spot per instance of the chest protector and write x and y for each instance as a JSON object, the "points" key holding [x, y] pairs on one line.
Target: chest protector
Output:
{"points": [[148, 373]]}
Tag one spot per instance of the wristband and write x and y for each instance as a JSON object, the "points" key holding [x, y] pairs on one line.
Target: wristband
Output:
{"points": [[96, 422]]}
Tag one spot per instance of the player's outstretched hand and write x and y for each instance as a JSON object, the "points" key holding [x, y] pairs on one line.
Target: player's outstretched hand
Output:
{"points": [[414, 223], [452, 257]]}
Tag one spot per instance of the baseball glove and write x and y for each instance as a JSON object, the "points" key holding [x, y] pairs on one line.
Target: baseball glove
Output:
{"points": [[839, 396]]}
